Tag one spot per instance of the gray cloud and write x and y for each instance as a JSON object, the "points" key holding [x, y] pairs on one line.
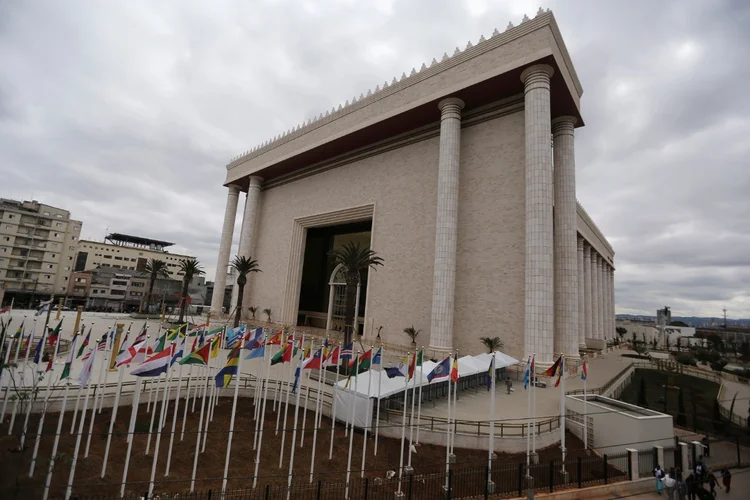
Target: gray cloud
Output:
{"points": [[126, 114]]}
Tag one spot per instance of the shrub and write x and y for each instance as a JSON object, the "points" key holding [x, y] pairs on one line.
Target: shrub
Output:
{"points": [[686, 359]]}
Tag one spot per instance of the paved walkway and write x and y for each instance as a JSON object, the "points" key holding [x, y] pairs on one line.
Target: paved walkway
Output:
{"points": [[739, 490]]}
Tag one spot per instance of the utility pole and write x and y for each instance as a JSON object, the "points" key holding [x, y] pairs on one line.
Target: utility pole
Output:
{"points": [[725, 318]]}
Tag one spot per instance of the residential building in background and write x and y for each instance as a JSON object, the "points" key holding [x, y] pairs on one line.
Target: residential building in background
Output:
{"points": [[126, 252], [37, 247]]}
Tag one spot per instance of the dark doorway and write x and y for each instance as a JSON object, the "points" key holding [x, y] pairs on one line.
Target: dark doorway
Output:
{"points": [[317, 269]]}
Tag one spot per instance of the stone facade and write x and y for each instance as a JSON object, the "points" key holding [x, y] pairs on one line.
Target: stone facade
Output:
{"points": [[461, 203]]}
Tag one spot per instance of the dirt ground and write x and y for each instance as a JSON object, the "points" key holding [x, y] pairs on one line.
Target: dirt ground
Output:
{"points": [[14, 464]]}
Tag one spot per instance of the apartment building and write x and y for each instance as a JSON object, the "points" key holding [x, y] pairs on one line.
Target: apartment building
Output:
{"points": [[37, 247], [126, 252]]}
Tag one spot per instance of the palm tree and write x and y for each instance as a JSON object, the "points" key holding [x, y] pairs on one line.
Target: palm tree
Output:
{"points": [[354, 259], [492, 343], [412, 333], [156, 269], [253, 310], [243, 265], [191, 268]]}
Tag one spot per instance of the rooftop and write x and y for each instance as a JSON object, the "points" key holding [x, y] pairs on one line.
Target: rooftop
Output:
{"points": [[137, 241]]}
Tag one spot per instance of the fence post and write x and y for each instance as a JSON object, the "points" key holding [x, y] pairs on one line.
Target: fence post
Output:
{"points": [[207, 497], [659, 455], [606, 470], [320, 487], [551, 476], [486, 482], [520, 479], [450, 484], [367, 487], [580, 472], [684, 463], [634, 461], [411, 484], [268, 491]]}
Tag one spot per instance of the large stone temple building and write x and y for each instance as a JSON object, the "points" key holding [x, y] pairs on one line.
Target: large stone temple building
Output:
{"points": [[461, 175]]}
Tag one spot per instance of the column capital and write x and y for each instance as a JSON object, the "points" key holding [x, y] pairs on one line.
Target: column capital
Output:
{"points": [[564, 125], [234, 190], [542, 71], [451, 105], [254, 182]]}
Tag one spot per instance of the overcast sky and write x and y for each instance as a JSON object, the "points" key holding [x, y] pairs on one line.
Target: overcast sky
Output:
{"points": [[126, 113]]}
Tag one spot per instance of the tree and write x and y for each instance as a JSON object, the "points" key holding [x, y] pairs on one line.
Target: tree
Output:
{"points": [[642, 399], [156, 269], [412, 333], [354, 259], [244, 266], [621, 331], [267, 312], [492, 343], [190, 268], [253, 310], [681, 416], [640, 348], [679, 323]]}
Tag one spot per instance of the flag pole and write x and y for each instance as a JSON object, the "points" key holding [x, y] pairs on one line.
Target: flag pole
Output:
{"points": [[153, 410], [403, 424], [294, 432], [264, 378], [455, 408], [286, 406], [533, 412], [368, 421], [23, 376], [491, 451], [377, 412], [93, 410], [78, 395], [278, 415], [532, 381], [447, 432], [114, 409], [318, 405], [199, 431], [60, 418], [187, 401], [351, 432], [15, 362], [333, 401], [307, 397], [262, 418], [44, 409], [209, 376], [25, 428], [131, 430], [411, 416], [101, 386], [177, 406], [231, 420], [419, 402], [562, 411], [162, 415], [69, 488]]}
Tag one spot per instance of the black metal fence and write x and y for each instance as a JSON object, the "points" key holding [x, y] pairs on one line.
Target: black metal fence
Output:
{"points": [[504, 480]]}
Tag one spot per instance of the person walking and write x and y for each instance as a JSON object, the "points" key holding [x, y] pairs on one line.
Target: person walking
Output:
{"points": [[726, 478], [659, 475], [669, 483], [691, 485], [681, 487], [509, 384], [712, 483]]}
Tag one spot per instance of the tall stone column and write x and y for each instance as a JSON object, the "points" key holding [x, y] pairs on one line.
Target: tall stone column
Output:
{"points": [[588, 291], [595, 330], [600, 295], [609, 332], [565, 236], [446, 226], [612, 297], [225, 246], [539, 279], [249, 219], [581, 296]]}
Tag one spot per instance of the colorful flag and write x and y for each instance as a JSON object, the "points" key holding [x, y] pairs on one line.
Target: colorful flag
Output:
{"points": [[176, 333], [560, 372], [55, 334], [155, 365], [43, 308], [527, 374], [257, 352], [135, 354], [296, 375], [378, 358], [491, 372], [224, 377], [415, 361], [283, 356], [364, 360], [84, 344], [124, 352], [38, 350], [102, 345], [346, 352], [179, 352], [454, 371], [400, 370], [161, 343], [441, 370], [552, 370], [5, 310], [584, 371], [20, 332], [86, 370], [354, 367], [314, 362], [199, 357], [215, 347], [69, 360], [333, 358], [276, 339]]}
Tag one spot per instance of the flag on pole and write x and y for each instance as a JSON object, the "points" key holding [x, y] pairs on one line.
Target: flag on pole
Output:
{"points": [[527, 374], [102, 345], [43, 308], [333, 359], [180, 352], [378, 358], [454, 371], [199, 357], [349, 378], [276, 339], [215, 347], [415, 362], [20, 332], [86, 370], [314, 362], [225, 374], [130, 355], [55, 334], [490, 374], [69, 360], [552, 370], [161, 343], [84, 344], [5, 310], [364, 361], [176, 333], [584, 370], [560, 372], [441, 370], [283, 356], [400, 370], [38, 351], [155, 365], [346, 353], [257, 352], [297, 372]]}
